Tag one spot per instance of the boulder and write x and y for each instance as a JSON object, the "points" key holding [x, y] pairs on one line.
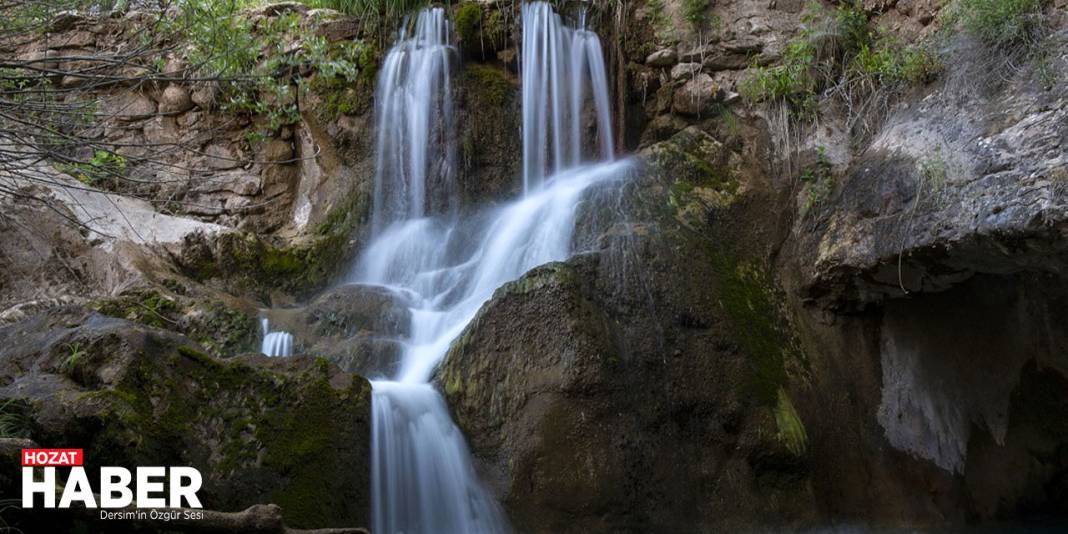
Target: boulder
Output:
{"points": [[220, 157], [358, 327], [635, 387], [342, 29], [684, 71], [665, 57], [127, 106], [203, 95], [175, 99], [696, 96], [289, 431]]}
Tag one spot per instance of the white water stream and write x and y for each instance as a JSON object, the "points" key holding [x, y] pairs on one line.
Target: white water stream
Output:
{"points": [[558, 65], [446, 267]]}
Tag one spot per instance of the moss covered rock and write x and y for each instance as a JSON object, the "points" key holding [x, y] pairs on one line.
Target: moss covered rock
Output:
{"points": [[244, 262], [223, 331], [357, 327], [288, 431], [646, 384]]}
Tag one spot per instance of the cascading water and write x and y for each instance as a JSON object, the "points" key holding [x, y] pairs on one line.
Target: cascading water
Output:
{"points": [[558, 63], [447, 267], [413, 105], [275, 343]]}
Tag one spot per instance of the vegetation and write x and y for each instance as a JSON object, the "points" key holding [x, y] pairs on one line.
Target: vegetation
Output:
{"points": [[1001, 23], [51, 110], [818, 182], [791, 430], [12, 422], [393, 9], [102, 165], [490, 83], [223, 44], [695, 12], [468, 18], [74, 355], [837, 52], [933, 171]]}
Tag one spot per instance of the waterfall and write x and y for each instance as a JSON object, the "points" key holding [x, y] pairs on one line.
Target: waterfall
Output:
{"points": [[276, 343], [413, 108], [558, 63], [447, 267]]}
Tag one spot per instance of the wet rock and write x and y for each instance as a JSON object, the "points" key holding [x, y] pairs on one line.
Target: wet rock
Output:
{"points": [[589, 389], [357, 327]]}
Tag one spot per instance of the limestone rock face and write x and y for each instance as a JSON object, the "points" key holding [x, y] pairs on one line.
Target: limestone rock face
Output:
{"points": [[292, 431], [963, 182]]}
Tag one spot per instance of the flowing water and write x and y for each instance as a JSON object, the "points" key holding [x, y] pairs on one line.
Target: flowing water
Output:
{"points": [[415, 148], [275, 343], [558, 65], [446, 267]]}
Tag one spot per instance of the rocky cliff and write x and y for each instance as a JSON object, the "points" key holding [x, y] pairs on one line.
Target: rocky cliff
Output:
{"points": [[831, 289]]}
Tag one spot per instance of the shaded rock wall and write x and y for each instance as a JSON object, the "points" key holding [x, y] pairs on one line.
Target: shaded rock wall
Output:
{"points": [[288, 431]]}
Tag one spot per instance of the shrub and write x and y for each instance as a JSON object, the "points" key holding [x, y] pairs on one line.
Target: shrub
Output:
{"points": [[1001, 22], [818, 181], [836, 48], [695, 12], [260, 72], [101, 166], [468, 16]]}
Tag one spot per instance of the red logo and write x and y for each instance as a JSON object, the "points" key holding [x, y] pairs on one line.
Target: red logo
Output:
{"points": [[51, 457]]}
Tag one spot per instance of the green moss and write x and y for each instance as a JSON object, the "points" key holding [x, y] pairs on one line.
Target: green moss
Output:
{"points": [[175, 404], [468, 17], [243, 260], [281, 262], [301, 444], [556, 273], [694, 157], [222, 330], [194, 354], [147, 307], [702, 177], [747, 296], [490, 85], [791, 431], [346, 217]]}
